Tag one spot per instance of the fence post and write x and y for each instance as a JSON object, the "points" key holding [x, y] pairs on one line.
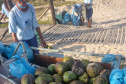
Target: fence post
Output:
{"points": [[52, 11]]}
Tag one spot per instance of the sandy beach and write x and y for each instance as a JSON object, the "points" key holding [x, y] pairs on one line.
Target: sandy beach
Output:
{"points": [[106, 14]]}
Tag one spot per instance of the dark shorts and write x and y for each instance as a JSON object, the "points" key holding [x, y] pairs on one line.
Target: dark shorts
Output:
{"points": [[89, 14], [32, 43]]}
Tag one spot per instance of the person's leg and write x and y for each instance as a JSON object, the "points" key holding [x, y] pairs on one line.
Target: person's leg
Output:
{"points": [[90, 21], [82, 21], [89, 17]]}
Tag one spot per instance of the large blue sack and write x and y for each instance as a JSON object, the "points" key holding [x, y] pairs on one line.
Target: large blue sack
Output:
{"points": [[21, 67], [76, 21], [2, 48], [118, 76], [66, 18], [10, 50]]}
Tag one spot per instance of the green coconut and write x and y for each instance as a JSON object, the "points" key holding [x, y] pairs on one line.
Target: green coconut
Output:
{"points": [[85, 62], [84, 78], [51, 69], [106, 72], [41, 70], [91, 80], [61, 67], [78, 68], [101, 79], [44, 78], [76, 82], [27, 79], [69, 76], [55, 83], [69, 60], [57, 78], [94, 69]]}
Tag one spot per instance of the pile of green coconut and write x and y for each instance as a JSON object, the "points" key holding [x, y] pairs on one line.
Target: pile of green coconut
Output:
{"points": [[70, 71]]}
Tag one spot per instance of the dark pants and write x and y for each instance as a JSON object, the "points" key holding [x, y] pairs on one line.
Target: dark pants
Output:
{"points": [[32, 43], [89, 14]]}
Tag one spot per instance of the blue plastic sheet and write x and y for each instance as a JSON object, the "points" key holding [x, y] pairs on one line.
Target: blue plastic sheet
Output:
{"points": [[2, 48], [21, 67], [118, 76]]}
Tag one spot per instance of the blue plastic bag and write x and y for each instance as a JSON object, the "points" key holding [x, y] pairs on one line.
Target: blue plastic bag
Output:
{"points": [[108, 58], [2, 48], [21, 67], [67, 18], [10, 50], [76, 21], [117, 76]]}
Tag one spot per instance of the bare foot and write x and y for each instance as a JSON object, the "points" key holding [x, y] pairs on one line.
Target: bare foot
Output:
{"points": [[88, 26]]}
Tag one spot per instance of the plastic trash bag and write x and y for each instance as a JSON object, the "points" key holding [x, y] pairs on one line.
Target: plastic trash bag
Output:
{"points": [[117, 76], [75, 20], [108, 58], [21, 67], [10, 50], [115, 65], [124, 82], [67, 18], [2, 48]]}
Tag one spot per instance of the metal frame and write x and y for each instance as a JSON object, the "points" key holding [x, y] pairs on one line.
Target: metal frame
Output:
{"points": [[5, 62], [118, 57]]}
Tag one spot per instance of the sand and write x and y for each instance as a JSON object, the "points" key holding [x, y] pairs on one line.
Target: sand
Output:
{"points": [[106, 14]]}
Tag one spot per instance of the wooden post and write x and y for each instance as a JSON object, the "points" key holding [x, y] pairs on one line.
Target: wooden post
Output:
{"points": [[52, 11]]}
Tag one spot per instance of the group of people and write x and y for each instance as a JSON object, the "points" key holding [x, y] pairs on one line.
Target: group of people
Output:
{"points": [[23, 22], [84, 10]]}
